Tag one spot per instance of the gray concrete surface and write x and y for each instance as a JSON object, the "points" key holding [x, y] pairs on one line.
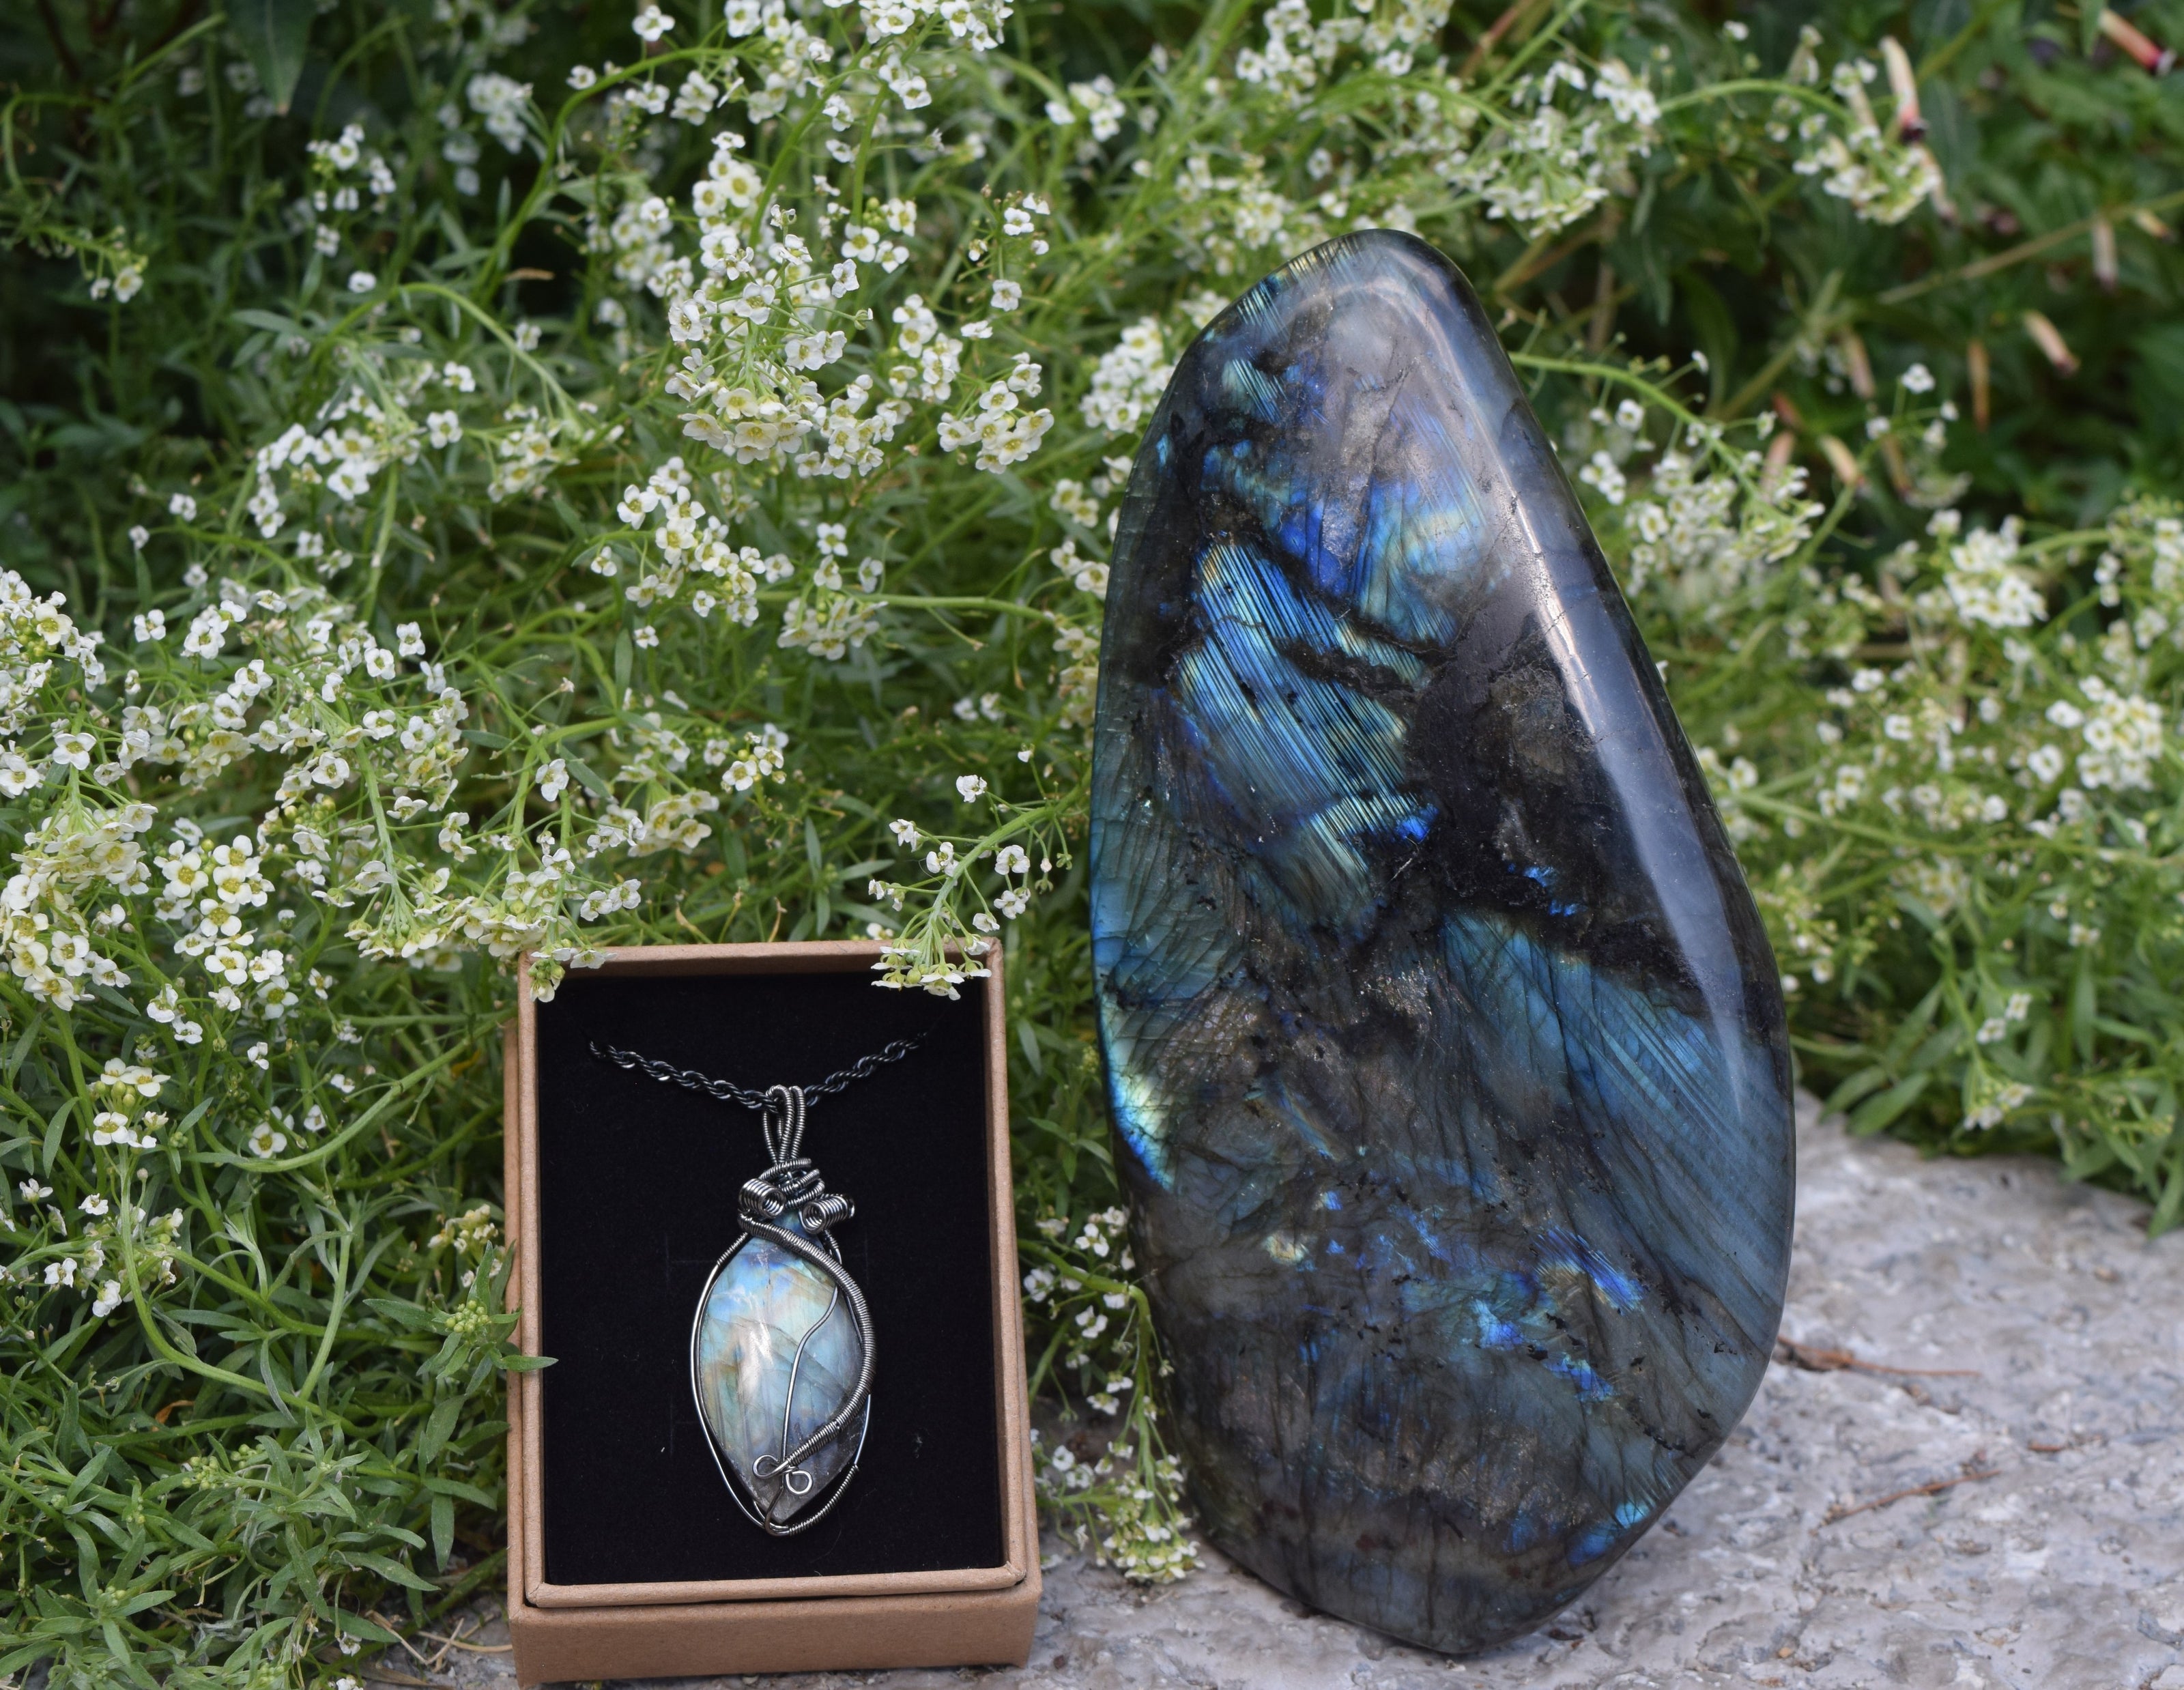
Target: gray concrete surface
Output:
{"points": [[2061, 1328]]}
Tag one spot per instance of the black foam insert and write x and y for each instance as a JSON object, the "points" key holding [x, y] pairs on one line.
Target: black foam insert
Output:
{"points": [[637, 1184]]}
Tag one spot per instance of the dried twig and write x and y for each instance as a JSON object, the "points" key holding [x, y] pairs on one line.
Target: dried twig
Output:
{"points": [[1813, 1360], [2077, 1443], [457, 1642], [1976, 1467], [440, 1655]]}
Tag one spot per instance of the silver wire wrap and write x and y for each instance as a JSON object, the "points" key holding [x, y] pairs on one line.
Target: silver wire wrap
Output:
{"points": [[792, 1183]]}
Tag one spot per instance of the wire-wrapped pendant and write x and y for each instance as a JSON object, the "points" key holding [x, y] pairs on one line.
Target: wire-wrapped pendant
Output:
{"points": [[781, 1347]]}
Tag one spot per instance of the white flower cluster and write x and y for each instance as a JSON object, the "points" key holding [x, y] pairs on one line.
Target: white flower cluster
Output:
{"points": [[111, 268], [1705, 521], [1101, 108], [1229, 219], [1982, 584], [761, 311], [1300, 51], [1002, 430], [1547, 161], [336, 162], [1129, 379], [2122, 735], [1884, 178], [1080, 1286], [501, 101], [691, 540]]}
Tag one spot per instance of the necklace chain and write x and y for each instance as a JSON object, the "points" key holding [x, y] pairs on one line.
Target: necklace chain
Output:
{"points": [[728, 1092]]}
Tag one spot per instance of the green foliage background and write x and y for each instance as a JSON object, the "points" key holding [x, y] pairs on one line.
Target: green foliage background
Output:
{"points": [[292, 1444]]}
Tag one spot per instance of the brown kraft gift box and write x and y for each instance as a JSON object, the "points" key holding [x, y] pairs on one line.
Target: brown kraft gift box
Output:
{"points": [[627, 1558]]}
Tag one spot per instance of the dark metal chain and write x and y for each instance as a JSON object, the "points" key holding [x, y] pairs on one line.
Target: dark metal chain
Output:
{"points": [[728, 1092]]}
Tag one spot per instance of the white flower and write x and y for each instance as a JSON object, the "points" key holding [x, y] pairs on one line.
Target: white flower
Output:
{"points": [[1013, 902], [140, 536], [651, 24], [1602, 473], [985, 922], [362, 282], [581, 76], [1918, 379], [443, 428], [72, 751], [554, 780], [1011, 860], [94, 1205], [108, 1299], [1007, 295], [33, 1192], [151, 628], [267, 1140], [905, 833], [61, 1273], [971, 787], [1129, 379], [182, 505]]}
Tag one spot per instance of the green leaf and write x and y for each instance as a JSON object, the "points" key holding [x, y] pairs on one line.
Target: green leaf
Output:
{"points": [[443, 1528], [2085, 999], [590, 778], [271, 321], [392, 1570], [436, 1429], [1877, 1113], [1860, 1084], [356, 1625], [274, 35], [409, 1314]]}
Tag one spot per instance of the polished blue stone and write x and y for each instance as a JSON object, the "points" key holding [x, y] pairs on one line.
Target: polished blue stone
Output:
{"points": [[774, 1356], [1443, 1041]]}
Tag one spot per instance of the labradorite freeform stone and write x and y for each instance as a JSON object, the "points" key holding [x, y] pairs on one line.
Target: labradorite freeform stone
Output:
{"points": [[1444, 1044], [775, 1355]]}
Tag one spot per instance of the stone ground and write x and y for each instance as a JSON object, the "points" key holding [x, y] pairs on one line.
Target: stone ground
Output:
{"points": [[2012, 1517]]}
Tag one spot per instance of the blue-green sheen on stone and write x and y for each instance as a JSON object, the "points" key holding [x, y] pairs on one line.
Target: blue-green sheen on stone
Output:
{"points": [[772, 1324], [1443, 1041]]}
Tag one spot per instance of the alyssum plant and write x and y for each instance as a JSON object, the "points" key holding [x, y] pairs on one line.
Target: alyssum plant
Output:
{"points": [[567, 503]]}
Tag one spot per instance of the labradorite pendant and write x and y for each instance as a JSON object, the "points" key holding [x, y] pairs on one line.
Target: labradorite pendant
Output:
{"points": [[781, 1348]]}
